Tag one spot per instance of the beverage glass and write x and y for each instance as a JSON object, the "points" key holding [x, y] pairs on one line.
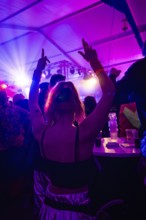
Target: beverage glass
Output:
{"points": [[112, 116], [113, 126], [114, 134], [113, 129], [129, 136]]}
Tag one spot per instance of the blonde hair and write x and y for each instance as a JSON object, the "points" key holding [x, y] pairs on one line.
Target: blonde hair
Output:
{"points": [[51, 106]]}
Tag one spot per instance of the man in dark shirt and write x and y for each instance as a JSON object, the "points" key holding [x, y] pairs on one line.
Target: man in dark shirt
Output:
{"points": [[134, 82]]}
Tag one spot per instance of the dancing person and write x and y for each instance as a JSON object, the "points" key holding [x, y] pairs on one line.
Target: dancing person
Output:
{"points": [[41, 181], [55, 78], [15, 172], [133, 83], [17, 97], [66, 147], [131, 88], [90, 104]]}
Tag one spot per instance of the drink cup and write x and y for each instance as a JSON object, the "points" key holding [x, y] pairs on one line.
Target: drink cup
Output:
{"points": [[114, 134], [130, 135], [113, 129], [112, 116]]}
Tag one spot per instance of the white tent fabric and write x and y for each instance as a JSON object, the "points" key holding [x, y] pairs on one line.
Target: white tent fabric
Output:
{"points": [[115, 28]]}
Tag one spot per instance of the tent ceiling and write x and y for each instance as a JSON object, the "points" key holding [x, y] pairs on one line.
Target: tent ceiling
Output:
{"points": [[58, 27]]}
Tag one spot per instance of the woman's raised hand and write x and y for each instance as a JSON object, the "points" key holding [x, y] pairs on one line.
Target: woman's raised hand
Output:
{"points": [[90, 55], [42, 62], [40, 66]]}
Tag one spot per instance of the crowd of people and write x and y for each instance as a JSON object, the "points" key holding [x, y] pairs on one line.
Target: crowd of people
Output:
{"points": [[46, 141]]}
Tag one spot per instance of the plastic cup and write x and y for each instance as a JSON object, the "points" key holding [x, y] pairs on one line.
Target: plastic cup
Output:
{"points": [[114, 134], [131, 135]]}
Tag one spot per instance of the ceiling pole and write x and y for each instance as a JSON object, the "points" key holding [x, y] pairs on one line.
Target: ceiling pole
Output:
{"points": [[18, 27], [21, 10], [59, 48], [133, 26], [122, 6], [141, 28], [99, 3], [121, 63], [15, 38]]}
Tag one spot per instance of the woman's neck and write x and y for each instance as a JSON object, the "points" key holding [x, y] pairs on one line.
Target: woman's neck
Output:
{"points": [[64, 118]]}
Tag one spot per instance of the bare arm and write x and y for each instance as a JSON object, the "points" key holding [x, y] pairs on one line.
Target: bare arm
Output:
{"points": [[37, 118], [95, 121]]}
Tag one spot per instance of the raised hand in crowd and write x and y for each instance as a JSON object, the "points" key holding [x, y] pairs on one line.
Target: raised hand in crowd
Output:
{"points": [[90, 55], [40, 66]]}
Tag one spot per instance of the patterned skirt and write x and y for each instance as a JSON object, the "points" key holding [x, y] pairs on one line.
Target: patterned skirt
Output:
{"points": [[51, 206], [66, 207]]}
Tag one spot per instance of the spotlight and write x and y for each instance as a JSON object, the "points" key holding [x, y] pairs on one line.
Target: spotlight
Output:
{"points": [[59, 71], [48, 74], [43, 75], [22, 80], [3, 86], [88, 74], [79, 71], [72, 70]]}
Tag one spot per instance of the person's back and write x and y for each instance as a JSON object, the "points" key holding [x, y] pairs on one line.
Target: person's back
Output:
{"points": [[67, 140], [64, 146]]}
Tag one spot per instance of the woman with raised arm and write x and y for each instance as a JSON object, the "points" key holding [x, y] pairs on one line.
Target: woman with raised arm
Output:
{"points": [[66, 140]]}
